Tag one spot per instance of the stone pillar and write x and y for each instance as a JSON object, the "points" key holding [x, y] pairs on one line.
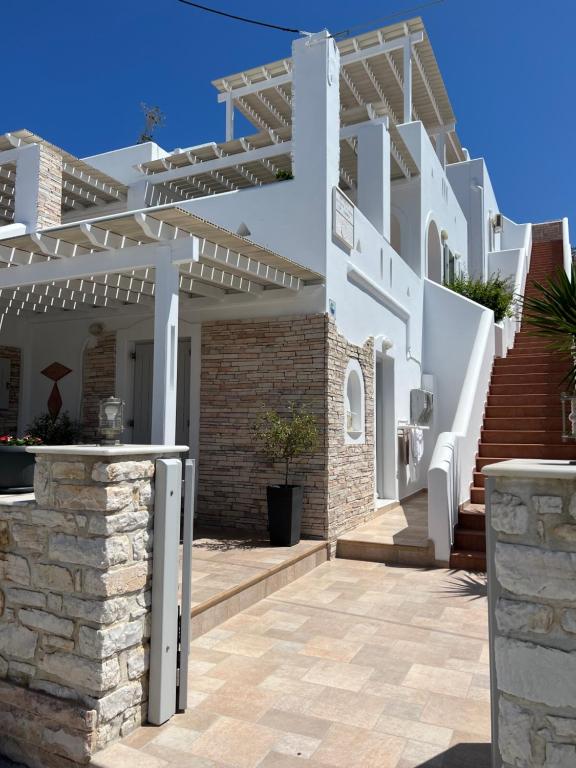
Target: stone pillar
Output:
{"points": [[38, 190], [75, 586], [531, 532]]}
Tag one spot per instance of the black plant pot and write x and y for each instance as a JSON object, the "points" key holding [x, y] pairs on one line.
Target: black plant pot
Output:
{"points": [[16, 469], [285, 504]]}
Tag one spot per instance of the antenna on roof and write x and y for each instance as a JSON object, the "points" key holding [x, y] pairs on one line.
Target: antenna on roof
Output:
{"points": [[153, 118]]}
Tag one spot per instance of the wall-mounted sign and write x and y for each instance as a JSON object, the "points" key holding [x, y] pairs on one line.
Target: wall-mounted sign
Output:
{"points": [[342, 218]]}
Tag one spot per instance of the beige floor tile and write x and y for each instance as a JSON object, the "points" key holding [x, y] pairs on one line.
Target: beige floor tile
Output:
{"points": [[330, 648], [417, 754], [297, 745], [176, 738], [415, 731], [240, 701], [235, 742], [350, 677], [460, 714], [252, 646], [358, 709], [347, 747], [121, 756], [292, 722], [178, 759], [437, 680]]}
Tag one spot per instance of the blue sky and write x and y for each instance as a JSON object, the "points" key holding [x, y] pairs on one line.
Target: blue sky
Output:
{"points": [[78, 72]]}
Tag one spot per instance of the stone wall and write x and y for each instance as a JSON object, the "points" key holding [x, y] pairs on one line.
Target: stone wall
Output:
{"points": [[249, 365], [532, 580], [99, 378], [49, 188], [351, 476], [9, 418], [75, 581]]}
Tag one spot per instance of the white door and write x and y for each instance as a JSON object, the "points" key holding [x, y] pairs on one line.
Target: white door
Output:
{"points": [[142, 394]]}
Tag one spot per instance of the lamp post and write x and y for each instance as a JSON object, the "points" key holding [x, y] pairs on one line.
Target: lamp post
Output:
{"points": [[111, 420]]}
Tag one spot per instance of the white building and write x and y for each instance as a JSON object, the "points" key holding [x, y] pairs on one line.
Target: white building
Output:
{"points": [[323, 287]]}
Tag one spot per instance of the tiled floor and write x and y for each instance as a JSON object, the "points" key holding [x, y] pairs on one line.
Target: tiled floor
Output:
{"points": [[398, 535], [225, 559], [355, 665], [406, 523]]}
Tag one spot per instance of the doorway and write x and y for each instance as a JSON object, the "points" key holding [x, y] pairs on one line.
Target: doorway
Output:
{"points": [[142, 392]]}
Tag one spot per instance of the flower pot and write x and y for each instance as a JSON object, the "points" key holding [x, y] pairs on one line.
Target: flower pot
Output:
{"points": [[16, 469], [285, 504]]}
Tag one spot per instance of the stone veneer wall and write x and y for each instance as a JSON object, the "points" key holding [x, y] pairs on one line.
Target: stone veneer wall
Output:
{"points": [[99, 378], [49, 188], [9, 418], [74, 609], [248, 365], [532, 580], [351, 479]]}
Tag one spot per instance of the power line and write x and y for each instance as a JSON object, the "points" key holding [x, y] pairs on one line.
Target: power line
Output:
{"points": [[292, 30], [241, 18]]}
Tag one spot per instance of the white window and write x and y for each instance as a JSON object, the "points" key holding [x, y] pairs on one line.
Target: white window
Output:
{"points": [[354, 404]]}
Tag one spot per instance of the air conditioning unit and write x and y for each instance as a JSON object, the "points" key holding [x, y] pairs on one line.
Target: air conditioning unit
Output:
{"points": [[497, 222]]}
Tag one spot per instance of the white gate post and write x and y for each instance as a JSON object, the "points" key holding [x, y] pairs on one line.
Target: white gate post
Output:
{"points": [[164, 630]]}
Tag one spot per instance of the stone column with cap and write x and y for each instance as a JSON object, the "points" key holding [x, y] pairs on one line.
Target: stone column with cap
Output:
{"points": [[75, 586]]}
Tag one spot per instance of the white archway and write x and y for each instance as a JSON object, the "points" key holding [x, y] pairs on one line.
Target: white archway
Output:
{"points": [[434, 253]]}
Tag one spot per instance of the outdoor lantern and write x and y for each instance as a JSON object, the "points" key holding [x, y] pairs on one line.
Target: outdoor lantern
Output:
{"points": [[111, 421], [568, 415]]}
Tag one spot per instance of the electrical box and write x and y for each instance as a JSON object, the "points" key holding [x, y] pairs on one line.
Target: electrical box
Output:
{"points": [[421, 407], [4, 384]]}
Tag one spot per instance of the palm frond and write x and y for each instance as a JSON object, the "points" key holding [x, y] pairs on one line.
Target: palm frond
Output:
{"points": [[552, 314]]}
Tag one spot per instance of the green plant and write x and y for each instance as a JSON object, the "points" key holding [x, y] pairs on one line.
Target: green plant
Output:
{"points": [[153, 118], [285, 438], [61, 430], [553, 314], [497, 293], [282, 175]]}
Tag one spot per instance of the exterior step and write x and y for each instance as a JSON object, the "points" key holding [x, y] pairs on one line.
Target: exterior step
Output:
{"points": [[515, 422], [468, 560], [542, 400], [478, 480], [542, 388], [524, 411], [526, 451], [477, 495], [521, 436], [469, 539]]}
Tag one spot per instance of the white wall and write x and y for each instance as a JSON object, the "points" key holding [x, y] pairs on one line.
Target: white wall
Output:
{"points": [[472, 186]]}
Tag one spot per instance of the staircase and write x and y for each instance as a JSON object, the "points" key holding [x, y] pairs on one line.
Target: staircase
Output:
{"points": [[522, 419]]}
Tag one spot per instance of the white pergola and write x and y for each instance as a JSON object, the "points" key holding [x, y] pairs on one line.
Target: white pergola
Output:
{"points": [[83, 186], [145, 259], [389, 72]]}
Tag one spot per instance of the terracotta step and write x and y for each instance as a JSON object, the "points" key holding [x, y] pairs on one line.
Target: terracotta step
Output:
{"points": [[526, 451], [510, 366], [522, 411], [521, 436], [479, 478], [467, 560], [472, 518], [542, 400], [540, 388], [511, 423], [469, 540], [499, 378], [484, 461], [476, 497]]}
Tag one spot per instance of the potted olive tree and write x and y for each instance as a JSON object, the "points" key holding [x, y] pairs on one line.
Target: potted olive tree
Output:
{"points": [[284, 438]]}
